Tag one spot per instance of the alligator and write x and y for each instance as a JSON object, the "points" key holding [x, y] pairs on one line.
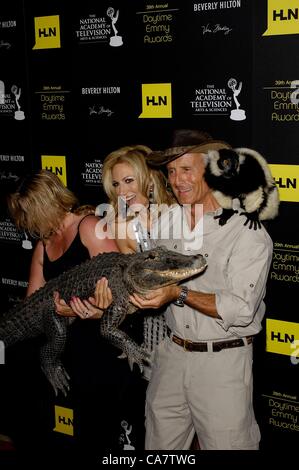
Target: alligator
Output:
{"points": [[126, 273]]}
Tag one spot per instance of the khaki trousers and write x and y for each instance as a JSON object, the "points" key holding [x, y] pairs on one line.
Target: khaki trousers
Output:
{"points": [[209, 393]]}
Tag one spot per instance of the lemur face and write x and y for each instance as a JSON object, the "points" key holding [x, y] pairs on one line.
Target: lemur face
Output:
{"points": [[228, 162]]}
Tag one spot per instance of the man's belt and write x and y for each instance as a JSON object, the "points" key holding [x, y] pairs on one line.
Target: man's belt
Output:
{"points": [[189, 345]]}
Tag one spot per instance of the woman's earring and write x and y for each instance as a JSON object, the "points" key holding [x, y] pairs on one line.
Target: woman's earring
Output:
{"points": [[168, 187]]}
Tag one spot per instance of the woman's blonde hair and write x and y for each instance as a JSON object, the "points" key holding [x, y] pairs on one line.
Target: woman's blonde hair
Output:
{"points": [[147, 179], [40, 203]]}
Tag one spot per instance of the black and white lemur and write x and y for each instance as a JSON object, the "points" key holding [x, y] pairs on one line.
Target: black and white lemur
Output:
{"points": [[244, 174]]}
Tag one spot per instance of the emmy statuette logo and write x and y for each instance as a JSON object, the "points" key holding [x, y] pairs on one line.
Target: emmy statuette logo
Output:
{"points": [[127, 431], [19, 115], [2, 92], [115, 40], [237, 114], [26, 244]]}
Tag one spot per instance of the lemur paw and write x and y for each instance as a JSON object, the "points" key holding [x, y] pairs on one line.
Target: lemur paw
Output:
{"points": [[252, 219], [225, 216]]}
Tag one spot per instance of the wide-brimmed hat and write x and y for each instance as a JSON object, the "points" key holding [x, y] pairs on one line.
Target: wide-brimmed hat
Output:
{"points": [[185, 141]]}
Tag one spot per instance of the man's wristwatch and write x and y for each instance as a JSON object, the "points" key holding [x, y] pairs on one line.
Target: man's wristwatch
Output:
{"points": [[180, 301]]}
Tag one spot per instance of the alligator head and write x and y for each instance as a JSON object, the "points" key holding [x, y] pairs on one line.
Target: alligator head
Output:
{"points": [[160, 267]]}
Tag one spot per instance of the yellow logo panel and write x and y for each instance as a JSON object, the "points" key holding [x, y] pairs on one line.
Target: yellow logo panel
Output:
{"points": [[56, 164], [64, 420], [287, 179], [156, 100], [281, 335], [283, 17], [47, 32]]}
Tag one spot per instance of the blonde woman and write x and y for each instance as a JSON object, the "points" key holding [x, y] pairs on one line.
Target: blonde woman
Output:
{"points": [[48, 211], [66, 234], [138, 196]]}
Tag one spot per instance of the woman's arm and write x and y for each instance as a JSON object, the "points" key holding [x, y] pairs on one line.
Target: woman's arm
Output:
{"points": [[36, 277], [124, 237], [96, 237]]}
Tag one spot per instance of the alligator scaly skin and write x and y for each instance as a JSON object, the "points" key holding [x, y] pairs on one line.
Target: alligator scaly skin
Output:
{"points": [[126, 273]]}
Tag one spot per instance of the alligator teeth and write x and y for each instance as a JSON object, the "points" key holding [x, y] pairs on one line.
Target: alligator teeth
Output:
{"points": [[180, 274]]}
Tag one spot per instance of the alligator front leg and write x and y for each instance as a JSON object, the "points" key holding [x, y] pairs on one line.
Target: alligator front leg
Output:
{"points": [[134, 352]]}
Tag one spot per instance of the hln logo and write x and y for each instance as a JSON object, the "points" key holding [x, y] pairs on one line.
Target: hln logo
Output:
{"points": [[286, 183], [56, 164], [283, 17], [282, 338], [47, 32], [286, 177], [64, 420], [281, 335], [156, 100]]}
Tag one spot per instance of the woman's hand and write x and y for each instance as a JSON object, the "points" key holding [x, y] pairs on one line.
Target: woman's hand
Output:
{"points": [[82, 308], [86, 309], [94, 307], [102, 295], [61, 307]]}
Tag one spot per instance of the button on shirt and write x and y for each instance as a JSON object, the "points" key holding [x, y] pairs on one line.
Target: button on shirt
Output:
{"points": [[238, 263]]}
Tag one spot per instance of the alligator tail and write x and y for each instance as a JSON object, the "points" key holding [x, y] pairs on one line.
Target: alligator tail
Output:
{"points": [[20, 323]]}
